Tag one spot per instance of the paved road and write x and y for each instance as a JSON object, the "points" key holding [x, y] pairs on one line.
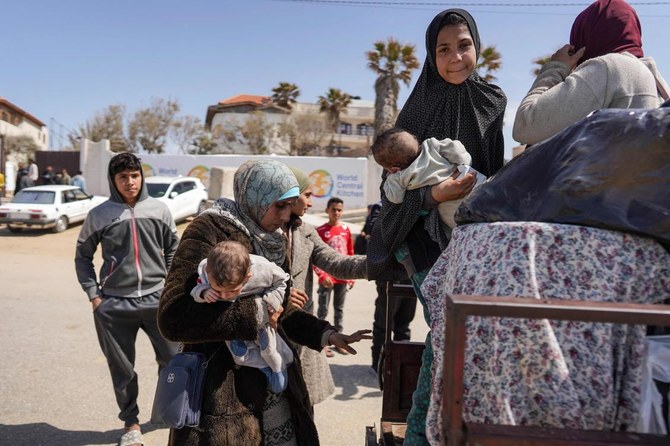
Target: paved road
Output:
{"points": [[54, 383]]}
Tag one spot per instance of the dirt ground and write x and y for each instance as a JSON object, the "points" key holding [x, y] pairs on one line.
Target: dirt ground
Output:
{"points": [[55, 387]]}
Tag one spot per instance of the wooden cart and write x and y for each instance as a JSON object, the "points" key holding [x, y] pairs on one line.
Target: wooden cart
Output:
{"points": [[403, 362]]}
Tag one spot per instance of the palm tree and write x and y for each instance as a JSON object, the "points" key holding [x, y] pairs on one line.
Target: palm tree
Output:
{"points": [[332, 104], [393, 62], [489, 59], [285, 94], [539, 61]]}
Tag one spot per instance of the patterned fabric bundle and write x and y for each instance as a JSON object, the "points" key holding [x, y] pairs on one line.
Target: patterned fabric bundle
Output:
{"points": [[580, 375]]}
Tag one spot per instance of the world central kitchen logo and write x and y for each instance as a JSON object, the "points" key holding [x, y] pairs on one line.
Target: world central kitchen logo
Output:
{"points": [[199, 171], [322, 183]]}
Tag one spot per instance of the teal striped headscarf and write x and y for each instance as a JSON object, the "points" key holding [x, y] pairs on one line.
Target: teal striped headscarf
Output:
{"points": [[256, 185]]}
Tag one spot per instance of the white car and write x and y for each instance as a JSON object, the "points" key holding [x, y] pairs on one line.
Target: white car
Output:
{"points": [[53, 206], [184, 196]]}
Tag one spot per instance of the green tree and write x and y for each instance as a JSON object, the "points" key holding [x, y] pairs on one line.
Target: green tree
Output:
{"points": [[306, 133], [204, 144], [254, 134], [106, 124], [333, 104], [392, 62], [20, 147], [490, 61], [188, 133], [539, 62], [285, 95], [148, 129]]}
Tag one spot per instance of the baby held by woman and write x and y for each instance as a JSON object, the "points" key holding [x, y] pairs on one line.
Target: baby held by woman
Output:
{"points": [[229, 272], [412, 166]]}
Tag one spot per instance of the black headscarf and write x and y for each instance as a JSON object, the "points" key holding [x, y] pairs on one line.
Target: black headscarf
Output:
{"points": [[472, 113]]}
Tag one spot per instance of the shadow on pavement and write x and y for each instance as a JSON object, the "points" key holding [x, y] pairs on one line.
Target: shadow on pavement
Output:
{"points": [[356, 380], [43, 434], [31, 232]]}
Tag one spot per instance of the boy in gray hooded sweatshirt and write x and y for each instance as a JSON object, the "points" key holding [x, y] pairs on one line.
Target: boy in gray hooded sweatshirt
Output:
{"points": [[138, 238]]}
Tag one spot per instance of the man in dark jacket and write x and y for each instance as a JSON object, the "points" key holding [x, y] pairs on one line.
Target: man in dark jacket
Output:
{"points": [[138, 238]]}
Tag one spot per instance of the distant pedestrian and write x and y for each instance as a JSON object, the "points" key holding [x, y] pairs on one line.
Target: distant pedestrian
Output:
{"points": [[65, 177], [48, 176], [33, 170], [338, 236], [22, 178], [79, 181], [138, 238]]}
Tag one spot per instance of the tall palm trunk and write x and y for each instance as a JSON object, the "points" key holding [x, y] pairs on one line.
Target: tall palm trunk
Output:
{"points": [[386, 103]]}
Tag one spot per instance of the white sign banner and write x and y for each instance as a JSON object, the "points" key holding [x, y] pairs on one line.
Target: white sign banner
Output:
{"points": [[345, 178]]}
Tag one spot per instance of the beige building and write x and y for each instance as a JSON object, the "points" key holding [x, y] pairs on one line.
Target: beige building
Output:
{"points": [[227, 119], [233, 121], [15, 121]]}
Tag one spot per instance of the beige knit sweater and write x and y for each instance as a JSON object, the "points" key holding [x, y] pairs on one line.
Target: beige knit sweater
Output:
{"points": [[559, 98]]}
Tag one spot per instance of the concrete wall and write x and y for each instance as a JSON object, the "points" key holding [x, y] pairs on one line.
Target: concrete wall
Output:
{"points": [[355, 180], [93, 161]]}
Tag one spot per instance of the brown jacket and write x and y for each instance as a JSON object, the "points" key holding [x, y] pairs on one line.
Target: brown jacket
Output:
{"points": [[234, 395]]}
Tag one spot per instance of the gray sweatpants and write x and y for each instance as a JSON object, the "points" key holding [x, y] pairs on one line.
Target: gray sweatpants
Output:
{"points": [[339, 294], [117, 321]]}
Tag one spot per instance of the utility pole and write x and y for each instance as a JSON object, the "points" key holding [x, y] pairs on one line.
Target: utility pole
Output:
{"points": [[58, 135]]}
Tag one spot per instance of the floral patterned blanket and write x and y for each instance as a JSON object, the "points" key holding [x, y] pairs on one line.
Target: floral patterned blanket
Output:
{"points": [[542, 372]]}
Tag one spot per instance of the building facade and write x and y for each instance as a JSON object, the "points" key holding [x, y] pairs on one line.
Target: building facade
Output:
{"points": [[228, 119], [15, 121]]}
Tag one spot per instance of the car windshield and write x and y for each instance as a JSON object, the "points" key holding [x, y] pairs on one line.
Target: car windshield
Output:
{"points": [[157, 190], [34, 197]]}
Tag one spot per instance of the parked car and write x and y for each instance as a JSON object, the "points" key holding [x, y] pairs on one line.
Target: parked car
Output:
{"points": [[49, 206], [184, 196]]}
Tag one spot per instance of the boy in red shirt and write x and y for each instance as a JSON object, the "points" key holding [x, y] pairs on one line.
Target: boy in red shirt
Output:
{"points": [[338, 236]]}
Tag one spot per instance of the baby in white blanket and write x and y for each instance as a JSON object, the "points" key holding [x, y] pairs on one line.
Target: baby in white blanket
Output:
{"points": [[411, 166]]}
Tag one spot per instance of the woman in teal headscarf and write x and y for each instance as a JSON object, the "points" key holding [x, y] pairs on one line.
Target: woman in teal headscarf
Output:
{"points": [[237, 406]]}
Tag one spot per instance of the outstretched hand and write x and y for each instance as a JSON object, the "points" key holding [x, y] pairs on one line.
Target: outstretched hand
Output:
{"points": [[568, 55], [343, 341]]}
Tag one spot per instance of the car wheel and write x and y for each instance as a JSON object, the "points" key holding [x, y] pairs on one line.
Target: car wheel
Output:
{"points": [[201, 208], [61, 224], [14, 229]]}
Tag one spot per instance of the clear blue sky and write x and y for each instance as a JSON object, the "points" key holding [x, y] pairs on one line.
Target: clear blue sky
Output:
{"points": [[64, 60]]}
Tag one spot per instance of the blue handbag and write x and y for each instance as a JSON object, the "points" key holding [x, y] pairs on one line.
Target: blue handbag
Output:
{"points": [[179, 391]]}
